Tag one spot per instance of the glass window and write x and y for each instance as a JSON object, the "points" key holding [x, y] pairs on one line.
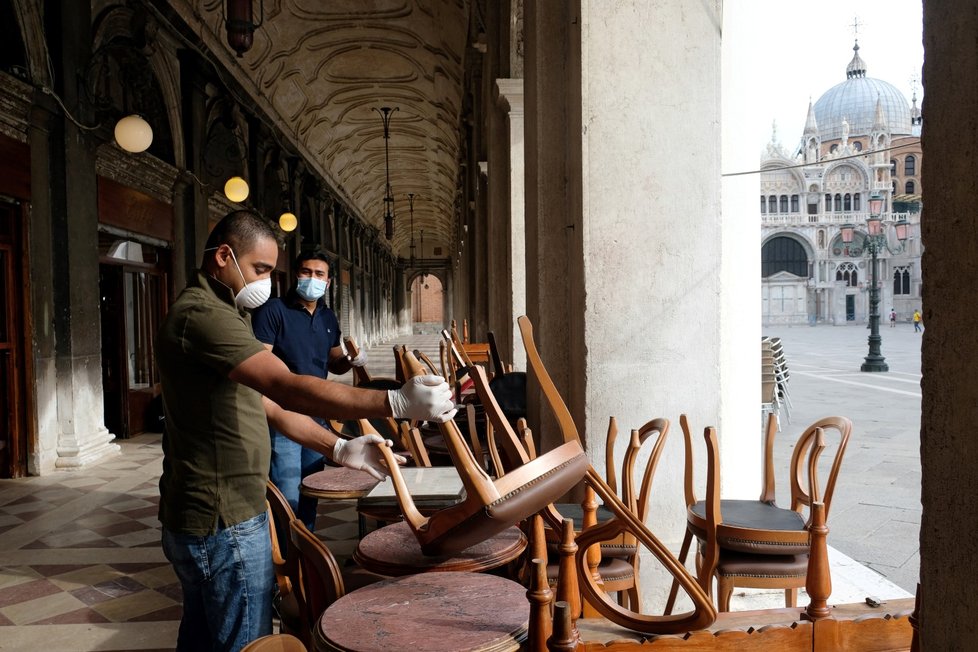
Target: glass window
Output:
{"points": [[847, 272], [772, 204], [893, 166], [783, 254], [909, 165], [910, 188], [847, 202], [901, 281], [763, 204], [838, 203], [794, 203], [828, 203], [784, 204], [857, 202]]}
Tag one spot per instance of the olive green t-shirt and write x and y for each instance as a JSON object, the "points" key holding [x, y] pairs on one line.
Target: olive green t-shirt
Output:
{"points": [[216, 447]]}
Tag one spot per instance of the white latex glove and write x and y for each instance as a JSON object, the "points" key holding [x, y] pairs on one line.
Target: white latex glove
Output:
{"points": [[424, 398], [360, 453], [360, 360]]}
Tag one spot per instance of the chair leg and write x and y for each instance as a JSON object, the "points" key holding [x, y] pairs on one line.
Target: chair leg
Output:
{"points": [[674, 590], [791, 598], [725, 589]]}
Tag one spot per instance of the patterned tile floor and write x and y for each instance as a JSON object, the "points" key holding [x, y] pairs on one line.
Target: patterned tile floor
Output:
{"points": [[80, 561]]}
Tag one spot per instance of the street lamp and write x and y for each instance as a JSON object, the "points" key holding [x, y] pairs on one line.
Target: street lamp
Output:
{"points": [[875, 242]]}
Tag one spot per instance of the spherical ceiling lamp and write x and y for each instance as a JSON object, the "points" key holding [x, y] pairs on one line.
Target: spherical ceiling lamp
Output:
{"points": [[288, 221], [236, 189], [133, 134]]}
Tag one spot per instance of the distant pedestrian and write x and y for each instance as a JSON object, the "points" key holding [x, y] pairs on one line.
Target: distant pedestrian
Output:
{"points": [[917, 320], [892, 318]]}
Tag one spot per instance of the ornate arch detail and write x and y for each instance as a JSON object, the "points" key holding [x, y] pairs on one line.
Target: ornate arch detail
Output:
{"points": [[806, 244]]}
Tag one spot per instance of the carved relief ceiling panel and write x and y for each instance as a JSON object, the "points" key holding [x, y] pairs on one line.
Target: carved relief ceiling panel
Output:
{"points": [[319, 69]]}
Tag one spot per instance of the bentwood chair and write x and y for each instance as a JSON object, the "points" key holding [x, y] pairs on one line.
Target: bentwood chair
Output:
{"points": [[275, 643], [761, 545]]}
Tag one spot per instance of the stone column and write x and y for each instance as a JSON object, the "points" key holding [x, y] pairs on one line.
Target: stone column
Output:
{"points": [[65, 268], [624, 226], [507, 259]]}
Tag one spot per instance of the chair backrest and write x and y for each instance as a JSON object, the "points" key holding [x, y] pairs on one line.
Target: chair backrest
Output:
{"points": [[320, 579], [280, 516], [360, 374], [639, 501], [829, 427]]}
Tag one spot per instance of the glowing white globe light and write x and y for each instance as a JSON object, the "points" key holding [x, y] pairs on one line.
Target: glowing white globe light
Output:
{"points": [[133, 134]]}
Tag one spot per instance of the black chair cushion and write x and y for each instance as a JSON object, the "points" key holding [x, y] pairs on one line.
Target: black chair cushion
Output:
{"points": [[755, 515]]}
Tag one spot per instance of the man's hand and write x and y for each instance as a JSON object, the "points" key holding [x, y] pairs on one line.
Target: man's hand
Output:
{"points": [[362, 454], [425, 398], [360, 359]]}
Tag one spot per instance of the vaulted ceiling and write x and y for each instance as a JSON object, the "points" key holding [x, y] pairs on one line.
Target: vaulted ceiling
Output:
{"points": [[320, 69]]}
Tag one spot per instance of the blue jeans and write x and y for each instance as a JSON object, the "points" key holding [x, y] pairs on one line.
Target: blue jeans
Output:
{"points": [[290, 463], [228, 582]]}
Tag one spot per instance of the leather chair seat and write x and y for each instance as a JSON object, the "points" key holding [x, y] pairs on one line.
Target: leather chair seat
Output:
{"points": [[753, 514], [611, 570], [741, 564]]}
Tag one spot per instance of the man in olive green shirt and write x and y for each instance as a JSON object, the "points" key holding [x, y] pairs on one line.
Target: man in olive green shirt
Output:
{"points": [[221, 390]]}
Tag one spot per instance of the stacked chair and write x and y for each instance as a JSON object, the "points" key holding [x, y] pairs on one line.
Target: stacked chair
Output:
{"points": [[774, 379]]}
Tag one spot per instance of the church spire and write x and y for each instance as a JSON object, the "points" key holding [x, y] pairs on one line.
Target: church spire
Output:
{"points": [[856, 67], [811, 126], [879, 120]]}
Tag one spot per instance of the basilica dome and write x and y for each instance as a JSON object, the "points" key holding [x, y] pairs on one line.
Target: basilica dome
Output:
{"points": [[854, 101]]}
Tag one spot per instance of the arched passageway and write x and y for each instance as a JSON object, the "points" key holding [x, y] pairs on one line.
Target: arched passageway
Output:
{"points": [[427, 304]]}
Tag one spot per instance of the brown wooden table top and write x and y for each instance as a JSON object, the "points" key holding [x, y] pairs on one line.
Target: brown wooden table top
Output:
{"points": [[394, 550], [431, 612], [338, 483]]}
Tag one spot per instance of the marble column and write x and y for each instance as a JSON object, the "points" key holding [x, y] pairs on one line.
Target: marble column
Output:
{"points": [[507, 259], [65, 269]]}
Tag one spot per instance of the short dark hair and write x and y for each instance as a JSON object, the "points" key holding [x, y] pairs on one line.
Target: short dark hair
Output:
{"points": [[240, 230], [314, 254]]}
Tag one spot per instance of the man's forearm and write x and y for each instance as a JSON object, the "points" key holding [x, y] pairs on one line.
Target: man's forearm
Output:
{"points": [[329, 400]]}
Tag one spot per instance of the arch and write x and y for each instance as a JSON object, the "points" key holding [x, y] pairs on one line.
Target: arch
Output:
{"points": [[427, 299], [784, 252], [848, 273], [910, 165], [910, 187]]}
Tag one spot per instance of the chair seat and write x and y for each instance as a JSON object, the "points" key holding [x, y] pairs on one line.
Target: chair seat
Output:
{"points": [[575, 512], [611, 570], [748, 515], [743, 564]]}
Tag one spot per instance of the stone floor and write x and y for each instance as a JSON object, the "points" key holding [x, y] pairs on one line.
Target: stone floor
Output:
{"points": [[81, 567]]}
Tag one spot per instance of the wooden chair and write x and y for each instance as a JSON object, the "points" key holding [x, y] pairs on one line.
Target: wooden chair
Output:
{"points": [[618, 563], [760, 544], [286, 571], [320, 579], [489, 507], [275, 643], [703, 612]]}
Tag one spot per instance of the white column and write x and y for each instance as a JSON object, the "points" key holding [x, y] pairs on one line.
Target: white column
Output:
{"points": [[512, 303]]}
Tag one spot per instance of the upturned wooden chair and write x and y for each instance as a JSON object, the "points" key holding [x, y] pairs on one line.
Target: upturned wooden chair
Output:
{"points": [[703, 612], [761, 545], [618, 563], [362, 377], [489, 506]]}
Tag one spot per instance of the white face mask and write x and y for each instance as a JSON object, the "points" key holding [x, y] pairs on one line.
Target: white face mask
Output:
{"points": [[252, 294]]}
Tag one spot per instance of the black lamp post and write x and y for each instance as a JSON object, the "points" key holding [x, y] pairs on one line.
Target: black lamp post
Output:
{"points": [[385, 115], [875, 242]]}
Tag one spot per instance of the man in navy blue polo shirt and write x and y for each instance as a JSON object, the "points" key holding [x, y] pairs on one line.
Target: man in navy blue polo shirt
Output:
{"points": [[305, 334]]}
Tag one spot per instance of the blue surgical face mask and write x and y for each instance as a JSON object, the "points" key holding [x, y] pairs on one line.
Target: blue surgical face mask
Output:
{"points": [[311, 289]]}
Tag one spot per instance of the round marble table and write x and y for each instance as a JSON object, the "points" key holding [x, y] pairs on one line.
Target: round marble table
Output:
{"points": [[394, 550], [338, 483], [431, 612]]}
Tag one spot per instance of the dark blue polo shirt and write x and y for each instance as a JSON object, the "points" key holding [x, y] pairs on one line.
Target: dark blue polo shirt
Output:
{"points": [[300, 339]]}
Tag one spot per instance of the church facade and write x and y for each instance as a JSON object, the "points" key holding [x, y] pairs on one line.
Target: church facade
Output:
{"points": [[861, 140]]}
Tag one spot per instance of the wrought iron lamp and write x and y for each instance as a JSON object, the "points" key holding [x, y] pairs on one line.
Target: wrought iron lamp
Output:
{"points": [[385, 115], [875, 242], [411, 209], [239, 21]]}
